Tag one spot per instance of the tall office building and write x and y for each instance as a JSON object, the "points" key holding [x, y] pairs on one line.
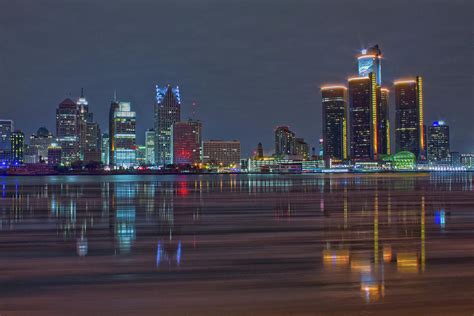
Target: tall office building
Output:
{"points": [[68, 131], [363, 108], [284, 141], [39, 144], [167, 112], [409, 126], [6, 130], [114, 107], [124, 136], [85, 117], [92, 143], [150, 147], [18, 147], [259, 154], [438, 142], [384, 122], [105, 150], [221, 153], [334, 107], [186, 142], [370, 61]]}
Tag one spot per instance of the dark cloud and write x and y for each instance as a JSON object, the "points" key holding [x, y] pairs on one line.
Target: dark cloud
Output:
{"points": [[250, 65]]}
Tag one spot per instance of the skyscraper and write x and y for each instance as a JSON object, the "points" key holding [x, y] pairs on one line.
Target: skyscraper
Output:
{"points": [[167, 112], [18, 147], [334, 107], [438, 142], [384, 122], [150, 147], [301, 148], [186, 145], [68, 131], [363, 118], [284, 141], [6, 129], [409, 126], [105, 151], [370, 60], [124, 135], [259, 154], [92, 143], [114, 107], [85, 117]]}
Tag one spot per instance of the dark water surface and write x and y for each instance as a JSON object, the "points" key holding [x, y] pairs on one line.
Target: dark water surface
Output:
{"points": [[396, 244]]}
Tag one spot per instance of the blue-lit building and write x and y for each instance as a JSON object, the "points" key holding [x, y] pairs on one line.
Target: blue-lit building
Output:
{"points": [[124, 135], [6, 130], [167, 112], [370, 60], [18, 147]]}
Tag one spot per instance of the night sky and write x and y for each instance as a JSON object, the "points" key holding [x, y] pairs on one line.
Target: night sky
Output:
{"points": [[250, 65]]}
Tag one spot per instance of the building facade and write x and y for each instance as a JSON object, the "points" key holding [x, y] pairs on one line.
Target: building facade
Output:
{"points": [[384, 122], [167, 112], [363, 106], [370, 61], [284, 141], [105, 150], [39, 144], [114, 107], [18, 147], [124, 136], [6, 130], [68, 131], [438, 142], [150, 147], [221, 153], [334, 116], [92, 143], [186, 145], [302, 148], [409, 126]]}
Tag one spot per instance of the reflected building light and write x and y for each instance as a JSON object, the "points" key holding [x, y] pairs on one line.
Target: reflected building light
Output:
{"points": [[440, 218], [387, 253], [125, 228], [407, 262], [361, 265], [371, 289], [82, 246], [336, 258]]}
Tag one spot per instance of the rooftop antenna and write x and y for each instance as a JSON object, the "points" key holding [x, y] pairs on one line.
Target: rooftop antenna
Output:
{"points": [[115, 95], [194, 111], [82, 92]]}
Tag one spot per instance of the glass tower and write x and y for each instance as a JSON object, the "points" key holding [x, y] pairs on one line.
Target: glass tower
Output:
{"points": [[370, 60], [124, 136]]}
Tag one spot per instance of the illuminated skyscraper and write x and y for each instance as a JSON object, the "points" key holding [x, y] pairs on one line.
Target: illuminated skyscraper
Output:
{"points": [[284, 141], [363, 108], [6, 129], [114, 106], [301, 148], [384, 122], [105, 151], [438, 142], [334, 106], [186, 144], [18, 147], [68, 131], [92, 143], [167, 112], [124, 135], [150, 147], [370, 60], [221, 153], [39, 144], [409, 126]]}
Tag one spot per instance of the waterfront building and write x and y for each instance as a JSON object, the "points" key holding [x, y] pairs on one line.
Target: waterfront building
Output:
{"points": [[221, 153], [18, 147], [301, 148], [141, 155], [467, 160], [284, 141], [363, 125], [438, 142], [370, 61], [167, 112], [54, 155], [105, 150], [334, 116], [68, 131], [6, 130], [384, 122], [92, 143], [259, 153], [114, 107], [409, 126], [186, 142], [150, 147], [41, 141], [124, 136]]}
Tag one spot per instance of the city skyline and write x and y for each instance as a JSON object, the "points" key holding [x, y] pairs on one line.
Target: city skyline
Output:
{"points": [[264, 81]]}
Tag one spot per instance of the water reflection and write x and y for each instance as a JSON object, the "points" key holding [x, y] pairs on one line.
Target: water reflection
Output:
{"points": [[371, 229]]}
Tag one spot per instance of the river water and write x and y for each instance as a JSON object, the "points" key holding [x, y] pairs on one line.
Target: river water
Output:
{"points": [[376, 244]]}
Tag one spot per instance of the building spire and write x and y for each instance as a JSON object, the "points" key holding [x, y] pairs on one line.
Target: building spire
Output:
{"points": [[115, 95], [82, 92]]}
